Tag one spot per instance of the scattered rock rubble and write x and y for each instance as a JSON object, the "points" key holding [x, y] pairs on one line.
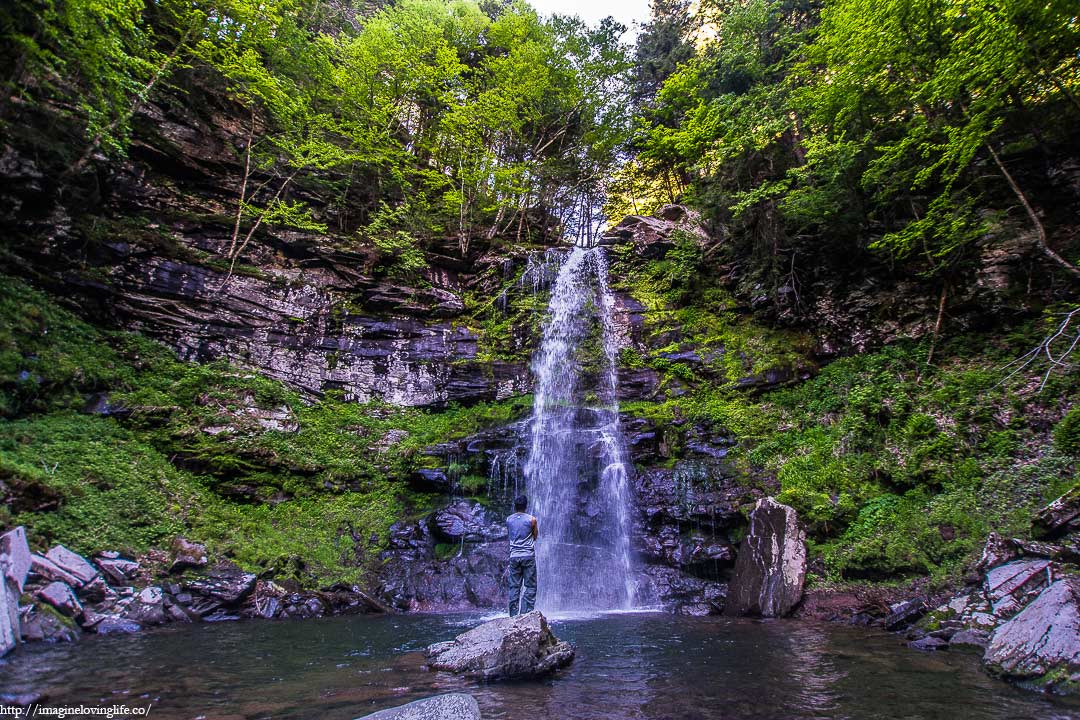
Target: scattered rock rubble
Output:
{"points": [[112, 594]]}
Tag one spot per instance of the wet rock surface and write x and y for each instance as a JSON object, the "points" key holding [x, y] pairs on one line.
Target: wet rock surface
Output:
{"points": [[771, 568], [453, 706], [506, 648], [1041, 644]]}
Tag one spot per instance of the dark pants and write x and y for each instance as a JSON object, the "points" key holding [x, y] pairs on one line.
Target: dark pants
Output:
{"points": [[522, 570]]}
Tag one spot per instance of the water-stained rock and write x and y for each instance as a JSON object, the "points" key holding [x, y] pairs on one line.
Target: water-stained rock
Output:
{"points": [[771, 565], [38, 626], [510, 647], [1041, 645], [453, 706], [225, 583]]}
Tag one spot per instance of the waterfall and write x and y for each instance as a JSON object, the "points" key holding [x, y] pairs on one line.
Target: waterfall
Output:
{"points": [[576, 470]]}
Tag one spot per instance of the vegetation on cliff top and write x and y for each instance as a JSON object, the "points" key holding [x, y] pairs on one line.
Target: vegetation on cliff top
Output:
{"points": [[386, 125], [829, 137]]}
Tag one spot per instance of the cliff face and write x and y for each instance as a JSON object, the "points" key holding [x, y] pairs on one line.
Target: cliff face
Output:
{"points": [[143, 244]]}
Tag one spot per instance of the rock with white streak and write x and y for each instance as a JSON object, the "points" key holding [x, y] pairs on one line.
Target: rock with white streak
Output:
{"points": [[14, 566], [1040, 647], [771, 565]]}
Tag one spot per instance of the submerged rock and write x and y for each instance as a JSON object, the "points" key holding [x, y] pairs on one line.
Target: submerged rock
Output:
{"points": [[771, 565], [454, 706], [510, 647], [1041, 645], [928, 644], [114, 625], [969, 639]]}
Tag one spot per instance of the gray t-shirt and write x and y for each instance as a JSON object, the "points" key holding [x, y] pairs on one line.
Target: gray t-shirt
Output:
{"points": [[521, 540]]}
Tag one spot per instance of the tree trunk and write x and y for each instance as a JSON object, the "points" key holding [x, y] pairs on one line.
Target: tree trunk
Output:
{"points": [[1040, 230]]}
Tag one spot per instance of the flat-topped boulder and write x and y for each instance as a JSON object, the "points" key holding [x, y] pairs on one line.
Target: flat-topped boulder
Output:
{"points": [[510, 647], [452, 706]]}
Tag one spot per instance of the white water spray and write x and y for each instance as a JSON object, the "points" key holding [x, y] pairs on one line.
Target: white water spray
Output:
{"points": [[576, 471]]}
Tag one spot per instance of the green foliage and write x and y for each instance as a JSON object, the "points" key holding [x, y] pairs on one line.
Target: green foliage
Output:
{"points": [[116, 491], [402, 126], [398, 254], [310, 499], [1067, 433], [895, 467], [826, 129], [48, 357]]}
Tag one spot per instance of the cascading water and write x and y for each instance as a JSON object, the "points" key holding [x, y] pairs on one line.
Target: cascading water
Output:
{"points": [[576, 470]]}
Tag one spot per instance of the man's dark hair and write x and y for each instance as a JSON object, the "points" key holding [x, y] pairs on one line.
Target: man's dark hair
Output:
{"points": [[520, 503]]}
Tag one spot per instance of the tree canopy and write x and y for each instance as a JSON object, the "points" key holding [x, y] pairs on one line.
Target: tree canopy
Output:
{"points": [[890, 125]]}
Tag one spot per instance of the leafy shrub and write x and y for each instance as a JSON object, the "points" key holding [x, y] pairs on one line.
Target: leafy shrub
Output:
{"points": [[1067, 433]]}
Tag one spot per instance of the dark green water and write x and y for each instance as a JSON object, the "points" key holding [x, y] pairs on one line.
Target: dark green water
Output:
{"points": [[650, 666]]}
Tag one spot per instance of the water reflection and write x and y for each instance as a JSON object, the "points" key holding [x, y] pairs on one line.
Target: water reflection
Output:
{"points": [[642, 666]]}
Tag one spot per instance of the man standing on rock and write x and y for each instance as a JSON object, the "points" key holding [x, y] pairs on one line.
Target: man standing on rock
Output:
{"points": [[523, 533]]}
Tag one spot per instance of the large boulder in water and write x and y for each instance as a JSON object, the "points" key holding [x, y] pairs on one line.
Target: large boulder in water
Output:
{"points": [[454, 706], [771, 565], [510, 647], [1041, 645]]}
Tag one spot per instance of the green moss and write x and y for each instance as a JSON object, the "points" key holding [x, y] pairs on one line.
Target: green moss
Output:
{"points": [[312, 501]]}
